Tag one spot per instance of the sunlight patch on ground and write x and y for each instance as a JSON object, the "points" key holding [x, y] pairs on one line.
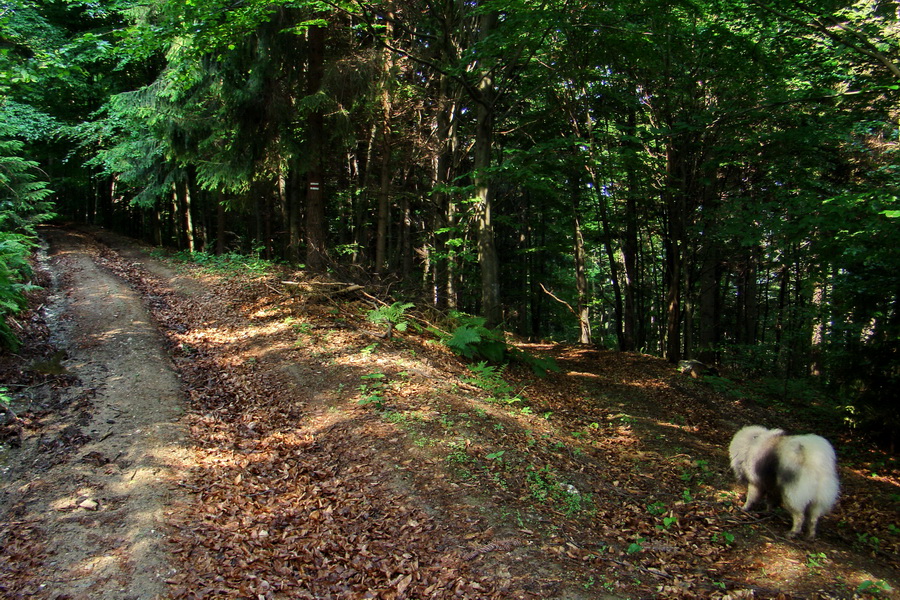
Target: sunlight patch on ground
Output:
{"points": [[71, 501], [800, 563], [583, 375], [94, 564], [676, 426], [869, 475]]}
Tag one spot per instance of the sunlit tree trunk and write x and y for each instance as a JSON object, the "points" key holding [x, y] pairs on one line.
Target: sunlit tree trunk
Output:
{"points": [[185, 220], [220, 227], [818, 329], [581, 283]]}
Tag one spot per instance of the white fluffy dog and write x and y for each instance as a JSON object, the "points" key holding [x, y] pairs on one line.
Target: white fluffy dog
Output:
{"points": [[797, 470]]}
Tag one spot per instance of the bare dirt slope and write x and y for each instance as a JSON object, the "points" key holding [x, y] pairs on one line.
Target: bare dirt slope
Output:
{"points": [[328, 461]]}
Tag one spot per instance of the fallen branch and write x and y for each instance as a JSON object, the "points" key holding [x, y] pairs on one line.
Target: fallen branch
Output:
{"points": [[310, 288]]}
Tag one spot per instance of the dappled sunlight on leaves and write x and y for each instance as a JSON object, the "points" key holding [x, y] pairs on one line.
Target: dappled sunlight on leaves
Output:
{"points": [[332, 462]]}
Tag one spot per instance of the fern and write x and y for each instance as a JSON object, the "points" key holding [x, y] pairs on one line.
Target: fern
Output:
{"points": [[464, 340], [392, 316], [473, 340], [539, 366], [490, 379], [14, 268], [24, 202]]}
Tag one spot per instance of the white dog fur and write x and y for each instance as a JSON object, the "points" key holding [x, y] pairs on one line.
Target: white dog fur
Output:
{"points": [[797, 470]]}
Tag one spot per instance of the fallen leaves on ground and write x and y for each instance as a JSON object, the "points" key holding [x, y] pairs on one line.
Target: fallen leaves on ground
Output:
{"points": [[606, 480]]}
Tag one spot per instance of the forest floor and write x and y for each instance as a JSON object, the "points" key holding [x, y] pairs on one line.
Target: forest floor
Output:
{"points": [[189, 434]]}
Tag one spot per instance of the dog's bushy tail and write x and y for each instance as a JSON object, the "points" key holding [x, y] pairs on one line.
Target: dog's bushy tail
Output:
{"points": [[807, 474]]}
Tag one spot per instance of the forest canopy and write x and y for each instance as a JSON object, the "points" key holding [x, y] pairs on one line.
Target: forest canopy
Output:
{"points": [[691, 179]]}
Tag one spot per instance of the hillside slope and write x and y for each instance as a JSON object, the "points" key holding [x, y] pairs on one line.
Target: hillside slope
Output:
{"points": [[331, 462]]}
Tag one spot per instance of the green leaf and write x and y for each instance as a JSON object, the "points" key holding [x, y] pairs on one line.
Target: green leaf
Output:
{"points": [[494, 351], [463, 340]]}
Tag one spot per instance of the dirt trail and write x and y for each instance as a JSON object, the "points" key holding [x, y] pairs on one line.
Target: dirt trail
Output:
{"points": [[94, 487]]}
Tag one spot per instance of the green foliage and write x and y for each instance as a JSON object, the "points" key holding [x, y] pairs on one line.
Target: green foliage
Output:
{"points": [[228, 264], [24, 195], [24, 203], [472, 339], [657, 508], [543, 483], [723, 537], [635, 547], [668, 522], [539, 365], [874, 588], [25, 122], [14, 269], [815, 560], [496, 456], [393, 316], [372, 390], [490, 379], [546, 487]]}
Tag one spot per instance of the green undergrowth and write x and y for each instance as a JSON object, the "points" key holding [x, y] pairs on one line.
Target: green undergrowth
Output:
{"points": [[227, 264], [14, 282], [485, 442], [472, 339]]}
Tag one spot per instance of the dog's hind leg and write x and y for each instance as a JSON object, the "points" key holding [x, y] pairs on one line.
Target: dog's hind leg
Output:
{"points": [[798, 518], [753, 495], [812, 519]]}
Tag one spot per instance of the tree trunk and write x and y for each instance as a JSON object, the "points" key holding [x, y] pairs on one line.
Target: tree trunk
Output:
{"points": [[381, 235], [629, 255], [631, 150], [406, 239], [267, 227], [156, 227], [581, 284], [289, 195], [710, 307], [315, 223], [186, 222], [817, 342], [381, 242], [484, 142], [445, 267], [610, 256], [315, 205], [675, 192], [673, 302], [220, 227], [781, 318], [177, 217]]}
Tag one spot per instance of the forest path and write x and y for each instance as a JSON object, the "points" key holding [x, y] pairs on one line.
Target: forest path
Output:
{"points": [[93, 488]]}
